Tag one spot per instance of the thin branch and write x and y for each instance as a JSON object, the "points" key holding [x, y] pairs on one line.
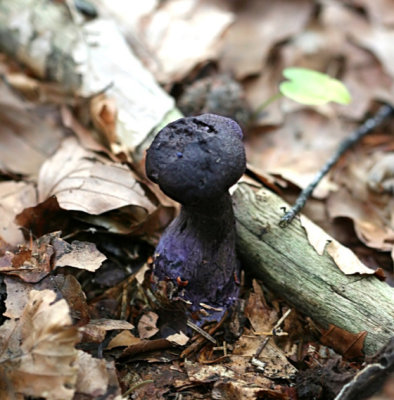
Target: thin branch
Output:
{"points": [[370, 124]]}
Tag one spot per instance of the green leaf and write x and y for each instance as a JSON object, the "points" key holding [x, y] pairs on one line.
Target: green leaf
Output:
{"points": [[313, 88]]}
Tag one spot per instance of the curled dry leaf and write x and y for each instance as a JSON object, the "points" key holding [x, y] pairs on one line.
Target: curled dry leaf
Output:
{"points": [[343, 257], [83, 181], [103, 112], [40, 344]]}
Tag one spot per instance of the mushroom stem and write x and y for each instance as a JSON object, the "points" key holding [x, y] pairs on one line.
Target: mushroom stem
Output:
{"points": [[199, 248]]}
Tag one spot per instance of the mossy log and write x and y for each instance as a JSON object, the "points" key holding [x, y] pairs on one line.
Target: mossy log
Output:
{"points": [[286, 262]]}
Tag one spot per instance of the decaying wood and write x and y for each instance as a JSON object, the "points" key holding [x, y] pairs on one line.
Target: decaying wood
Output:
{"points": [[86, 58], [286, 262]]}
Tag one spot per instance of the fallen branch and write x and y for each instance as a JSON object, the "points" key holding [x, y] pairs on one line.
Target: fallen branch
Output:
{"points": [[285, 261]]}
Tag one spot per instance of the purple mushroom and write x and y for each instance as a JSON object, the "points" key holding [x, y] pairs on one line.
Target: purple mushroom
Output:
{"points": [[195, 160]]}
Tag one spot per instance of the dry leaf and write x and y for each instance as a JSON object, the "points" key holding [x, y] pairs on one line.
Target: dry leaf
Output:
{"points": [[82, 255], [26, 138], [346, 260], [298, 149], [14, 197], [92, 375], [183, 33], [104, 113], [96, 330], [41, 344], [259, 26], [83, 181], [261, 317], [34, 261], [276, 365], [343, 257], [178, 338], [123, 339], [147, 325], [65, 286], [350, 345]]}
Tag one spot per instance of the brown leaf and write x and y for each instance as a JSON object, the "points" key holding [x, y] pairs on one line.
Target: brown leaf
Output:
{"points": [[82, 255], [83, 181], [14, 197], [65, 286], [92, 375], [42, 344], [297, 149], [343, 257], [30, 263], [272, 357], [104, 114], [147, 325], [96, 330], [258, 27], [182, 34], [26, 138], [261, 317], [350, 345], [123, 339]]}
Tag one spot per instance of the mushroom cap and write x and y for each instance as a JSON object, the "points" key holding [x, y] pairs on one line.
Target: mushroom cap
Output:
{"points": [[196, 159]]}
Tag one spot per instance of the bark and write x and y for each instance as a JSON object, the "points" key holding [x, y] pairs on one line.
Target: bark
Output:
{"points": [[287, 264], [86, 57]]}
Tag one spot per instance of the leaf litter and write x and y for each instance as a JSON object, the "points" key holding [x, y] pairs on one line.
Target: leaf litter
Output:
{"points": [[71, 166]]}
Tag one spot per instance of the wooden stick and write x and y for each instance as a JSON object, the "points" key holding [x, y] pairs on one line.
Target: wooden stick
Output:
{"points": [[287, 264]]}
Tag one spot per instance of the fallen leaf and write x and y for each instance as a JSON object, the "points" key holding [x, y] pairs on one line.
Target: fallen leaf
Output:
{"points": [[261, 317], [92, 377], [343, 257], [96, 330], [26, 139], [350, 345], [41, 344], [182, 34], [82, 255], [123, 339], [346, 260], [258, 27], [83, 181], [14, 197], [276, 365], [297, 149], [65, 286], [147, 325], [104, 113], [178, 338]]}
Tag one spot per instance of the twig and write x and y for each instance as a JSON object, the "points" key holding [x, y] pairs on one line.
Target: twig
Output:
{"points": [[384, 112], [266, 340], [201, 331], [194, 347], [136, 386]]}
